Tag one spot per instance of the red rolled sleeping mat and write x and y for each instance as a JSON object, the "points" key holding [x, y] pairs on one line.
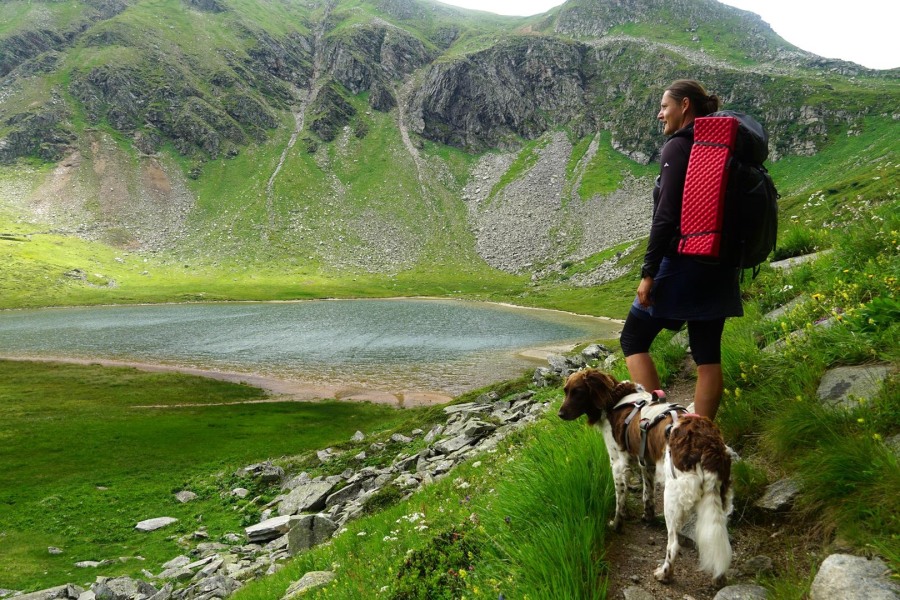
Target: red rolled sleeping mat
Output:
{"points": [[703, 205]]}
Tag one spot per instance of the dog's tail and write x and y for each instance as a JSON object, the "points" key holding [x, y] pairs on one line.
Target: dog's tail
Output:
{"points": [[713, 544]]}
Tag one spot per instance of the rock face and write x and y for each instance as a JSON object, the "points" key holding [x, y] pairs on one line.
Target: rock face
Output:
{"points": [[517, 88]]}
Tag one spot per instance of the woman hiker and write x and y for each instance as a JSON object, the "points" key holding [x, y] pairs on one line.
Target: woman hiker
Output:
{"points": [[677, 289]]}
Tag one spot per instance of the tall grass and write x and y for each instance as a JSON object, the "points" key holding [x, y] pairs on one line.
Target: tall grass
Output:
{"points": [[554, 501]]}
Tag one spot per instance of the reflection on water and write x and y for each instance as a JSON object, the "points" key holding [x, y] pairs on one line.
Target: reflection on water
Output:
{"points": [[442, 345]]}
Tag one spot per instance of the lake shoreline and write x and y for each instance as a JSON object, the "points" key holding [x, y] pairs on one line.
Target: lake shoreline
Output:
{"points": [[282, 390]]}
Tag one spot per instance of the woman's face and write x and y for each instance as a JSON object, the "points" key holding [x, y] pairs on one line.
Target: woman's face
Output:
{"points": [[674, 114]]}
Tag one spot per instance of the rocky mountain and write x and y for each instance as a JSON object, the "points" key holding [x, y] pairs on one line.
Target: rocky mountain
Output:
{"points": [[379, 134]]}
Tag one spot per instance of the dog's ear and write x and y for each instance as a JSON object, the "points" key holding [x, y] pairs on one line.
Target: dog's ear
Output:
{"points": [[623, 388], [601, 386]]}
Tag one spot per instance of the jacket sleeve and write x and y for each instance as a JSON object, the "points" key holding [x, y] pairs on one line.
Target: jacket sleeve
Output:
{"points": [[667, 207]]}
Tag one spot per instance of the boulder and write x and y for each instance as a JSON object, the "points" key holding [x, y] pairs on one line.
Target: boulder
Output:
{"points": [[185, 496], [123, 588], [154, 524], [271, 528], [310, 580], [309, 531], [843, 386], [309, 497], [780, 495], [742, 592], [848, 577]]}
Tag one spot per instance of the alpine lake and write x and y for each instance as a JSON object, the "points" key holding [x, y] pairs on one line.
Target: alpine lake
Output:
{"points": [[394, 351]]}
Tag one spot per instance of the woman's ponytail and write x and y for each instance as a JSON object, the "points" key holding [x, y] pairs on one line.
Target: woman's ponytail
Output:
{"points": [[702, 102]]}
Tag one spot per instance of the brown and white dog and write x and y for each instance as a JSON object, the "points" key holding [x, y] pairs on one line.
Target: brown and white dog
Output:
{"points": [[692, 459]]}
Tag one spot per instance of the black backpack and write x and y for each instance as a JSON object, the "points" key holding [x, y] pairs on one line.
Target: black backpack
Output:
{"points": [[750, 220]]}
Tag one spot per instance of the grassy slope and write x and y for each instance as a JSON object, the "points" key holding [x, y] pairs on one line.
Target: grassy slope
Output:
{"points": [[92, 464]]}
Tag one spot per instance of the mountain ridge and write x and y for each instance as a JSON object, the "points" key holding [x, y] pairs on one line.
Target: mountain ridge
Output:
{"points": [[362, 109]]}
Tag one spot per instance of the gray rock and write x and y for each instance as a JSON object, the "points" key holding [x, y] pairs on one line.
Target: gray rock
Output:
{"points": [[271, 528], [398, 437], [185, 496], [742, 592], [558, 362], [780, 495], [88, 564], [453, 444], [893, 443], [178, 561], [544, 377], [58, 591], [154, 524], [636, 593], [777, 313], [434, 433], [343, 495], [240, 492], [310, 580], [325, 455], [123, 588], [848, 577], [758, 565], [595, 352], [842, 386], [218, 586], [308, 497], [789, 263], [477, 429], [358, 436], [265, 472], [468, 407], [176, 574], [54, 550], [309, 531]]}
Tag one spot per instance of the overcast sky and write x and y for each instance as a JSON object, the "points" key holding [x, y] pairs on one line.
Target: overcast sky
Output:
{"points": [[862, 31]]}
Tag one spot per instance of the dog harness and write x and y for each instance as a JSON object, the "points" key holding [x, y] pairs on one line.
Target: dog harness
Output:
{"points": [[653, 409]]}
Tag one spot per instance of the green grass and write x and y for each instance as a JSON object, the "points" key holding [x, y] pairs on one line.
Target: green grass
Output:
{"points": [[606, 169], [83, 463]]}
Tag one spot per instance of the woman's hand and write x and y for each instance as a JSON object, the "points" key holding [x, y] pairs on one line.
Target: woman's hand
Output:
{"points": [[643, 291]]}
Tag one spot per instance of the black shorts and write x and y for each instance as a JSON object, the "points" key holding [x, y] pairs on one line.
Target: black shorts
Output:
{"points": [[705, 336]]}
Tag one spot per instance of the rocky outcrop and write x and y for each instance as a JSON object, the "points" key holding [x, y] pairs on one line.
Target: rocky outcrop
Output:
{"points": [[371, 56], [330, 112], [38, 38], [517, 88], [42, 131]]}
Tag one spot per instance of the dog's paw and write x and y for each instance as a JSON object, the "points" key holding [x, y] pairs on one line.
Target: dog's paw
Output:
{"points": [[616, 524], [649, 515], [664, 573]]}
